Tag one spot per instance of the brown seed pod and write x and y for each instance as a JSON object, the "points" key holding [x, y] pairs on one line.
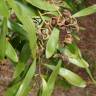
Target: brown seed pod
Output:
{"points": [[62, 34], [68, 39], [65, 23], [66, 13], [63, 57], [54, 21]]}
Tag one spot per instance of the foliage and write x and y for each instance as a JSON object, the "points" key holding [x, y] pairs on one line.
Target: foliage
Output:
{"points": [[42, 31]]}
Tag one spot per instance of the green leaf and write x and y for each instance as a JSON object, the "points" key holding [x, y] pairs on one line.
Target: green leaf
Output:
{"points": [[3, 9], [52, 43], [16, 27], [44, 85], [69, 76], [75, 36], [26, 82], [51, 82], [80, 62], [10, 52], [28, 26], [24, 56], [90, 75], [72, 5], [72, 78], [11, 91], [30, 11], [74, 49], [62, 82], [66, 5], [74, 56], [43, 5], [86, 11], [3, 38]]}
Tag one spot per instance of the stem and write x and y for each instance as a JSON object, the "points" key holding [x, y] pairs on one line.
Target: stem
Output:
{"points": [[90, 75]]}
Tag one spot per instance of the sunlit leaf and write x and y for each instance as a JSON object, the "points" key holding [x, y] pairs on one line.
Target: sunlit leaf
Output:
{"points": [[44, 84], [72, 78], [10, 52], [80, 62], [74, 56], [69, 76], [52, 43], [26, 82], [86, 11], [28, 25], [43, 5], [51, 82]]}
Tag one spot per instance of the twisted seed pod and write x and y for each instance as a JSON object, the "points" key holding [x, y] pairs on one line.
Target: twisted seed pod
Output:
{"points": [[65, 23]]}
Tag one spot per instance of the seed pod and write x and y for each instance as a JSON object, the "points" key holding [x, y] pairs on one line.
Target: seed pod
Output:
{"points": [[66, 13], [63, 57], [68, 39], [67, 22], [62, 34], [54, 21]]}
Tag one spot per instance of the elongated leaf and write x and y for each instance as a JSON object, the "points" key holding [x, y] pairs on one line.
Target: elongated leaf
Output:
{"points": [[66, 5], [74, 56], [24, 56], [3, 38], [43, 87], [28, 26], [52, 43], [11, 91], [75, 36], [90, 75], [44, 84], [16, 27], [69, 76], [43, 5], [10, 52], [80, 62], [50, 85], [74, 49], [3, 9], [72, 5], [72, 78], [26, 9], [26, 82], [86, 11]]}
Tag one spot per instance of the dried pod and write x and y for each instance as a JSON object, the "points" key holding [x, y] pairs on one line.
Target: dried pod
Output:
{"points": [[66, 13], [62, 34], [54, 21], [67, 22], [61, 21], [63, 57], [68, 39], [45, 34]]}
